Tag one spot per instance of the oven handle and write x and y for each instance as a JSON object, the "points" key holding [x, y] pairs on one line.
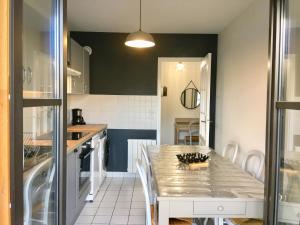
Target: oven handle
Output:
{"points": [[84, 155]]}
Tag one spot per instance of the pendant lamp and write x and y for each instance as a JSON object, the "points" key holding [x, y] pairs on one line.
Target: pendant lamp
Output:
{"points": [[140, 39]]}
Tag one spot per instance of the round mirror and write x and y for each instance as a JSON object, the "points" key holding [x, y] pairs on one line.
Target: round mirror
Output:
{"points": [[190, 98]]}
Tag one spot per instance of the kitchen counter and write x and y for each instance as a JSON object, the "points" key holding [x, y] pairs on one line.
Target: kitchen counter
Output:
{"points": [[91, 129]]}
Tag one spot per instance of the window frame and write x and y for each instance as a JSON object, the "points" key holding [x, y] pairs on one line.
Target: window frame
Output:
{"points": [[17, 102]]}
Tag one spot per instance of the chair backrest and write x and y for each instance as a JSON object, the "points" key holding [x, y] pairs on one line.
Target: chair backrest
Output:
{"points": [[230, 151], [145, 155], [143, 177], [51, 176], [44, 189], [254, 163], [193, 130], [148, 169]]}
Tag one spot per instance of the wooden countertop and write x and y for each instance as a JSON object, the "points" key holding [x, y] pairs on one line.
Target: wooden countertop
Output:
{"points": [[91, 129]]}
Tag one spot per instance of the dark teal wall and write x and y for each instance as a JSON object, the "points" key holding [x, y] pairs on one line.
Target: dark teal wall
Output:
{"points": [[118, 146], [119, 70]]}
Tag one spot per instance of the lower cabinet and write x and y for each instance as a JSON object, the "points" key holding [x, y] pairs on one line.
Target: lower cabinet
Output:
{"points": [[75, 199], [71, 192]]}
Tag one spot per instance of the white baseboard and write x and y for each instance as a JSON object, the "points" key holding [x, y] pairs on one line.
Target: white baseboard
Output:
{"points": [[121, 174]]}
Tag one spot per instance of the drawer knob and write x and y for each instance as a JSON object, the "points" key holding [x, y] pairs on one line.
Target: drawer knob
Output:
{"points": [[220, 208]]}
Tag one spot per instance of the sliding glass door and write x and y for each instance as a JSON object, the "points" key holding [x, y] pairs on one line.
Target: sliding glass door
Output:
{"points": [[38, 112], [283, 183]]}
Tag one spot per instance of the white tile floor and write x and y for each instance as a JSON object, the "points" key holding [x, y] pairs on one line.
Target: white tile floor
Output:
{"points": [[120, 201]]}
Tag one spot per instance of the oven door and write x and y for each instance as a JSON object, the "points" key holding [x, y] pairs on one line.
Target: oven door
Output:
{"points": [[85, 168]]}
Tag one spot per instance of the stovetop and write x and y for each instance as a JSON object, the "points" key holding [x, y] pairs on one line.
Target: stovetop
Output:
{"points": [[76, 135]]}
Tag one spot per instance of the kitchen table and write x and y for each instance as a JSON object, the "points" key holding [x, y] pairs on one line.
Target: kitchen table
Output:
{"points": [[220, 190]]}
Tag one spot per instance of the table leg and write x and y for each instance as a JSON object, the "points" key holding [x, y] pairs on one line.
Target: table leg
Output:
{"points": [[163, 213], [219, 221]]}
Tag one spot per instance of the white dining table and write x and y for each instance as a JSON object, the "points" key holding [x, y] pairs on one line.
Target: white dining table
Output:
{"points": [[220, 190]]}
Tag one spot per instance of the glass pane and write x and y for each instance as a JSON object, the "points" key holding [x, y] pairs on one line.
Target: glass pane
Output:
{"points": [[39, 56], [291, 53], [39, 175], [289, 178]]}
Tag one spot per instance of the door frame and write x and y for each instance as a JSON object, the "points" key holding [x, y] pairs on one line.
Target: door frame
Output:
{"points": [[159, 76], [5, 200], [209, 56], [274, 107], [16, 110]]}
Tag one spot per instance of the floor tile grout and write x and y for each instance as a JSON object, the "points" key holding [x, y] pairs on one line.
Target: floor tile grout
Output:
{"points": [[115, 185]]}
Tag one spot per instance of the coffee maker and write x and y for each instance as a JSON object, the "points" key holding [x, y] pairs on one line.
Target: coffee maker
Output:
{"points": [[77, 118]]}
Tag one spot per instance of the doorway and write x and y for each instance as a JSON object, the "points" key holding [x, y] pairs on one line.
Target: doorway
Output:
{"points": [[183, 102]]}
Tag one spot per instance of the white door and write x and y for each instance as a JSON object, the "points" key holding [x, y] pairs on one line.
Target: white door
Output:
{"points": [[205, 77]]}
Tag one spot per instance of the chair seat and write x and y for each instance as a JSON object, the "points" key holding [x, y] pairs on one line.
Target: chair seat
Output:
{"points": [[172, 221], [246, 221], [180, 221], [194, 138]]}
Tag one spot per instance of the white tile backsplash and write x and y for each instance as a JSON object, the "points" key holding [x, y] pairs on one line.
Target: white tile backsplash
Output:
{"points": [[117, 111]]}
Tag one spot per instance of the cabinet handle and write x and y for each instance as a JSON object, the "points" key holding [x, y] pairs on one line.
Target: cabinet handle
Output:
{"points": [[75, 150], [220, 208]]}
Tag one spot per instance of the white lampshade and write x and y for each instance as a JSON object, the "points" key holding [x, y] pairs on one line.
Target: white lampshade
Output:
{"points": [[140, 39]]}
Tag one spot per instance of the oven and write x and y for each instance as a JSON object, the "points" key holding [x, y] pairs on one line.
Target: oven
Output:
{"points": [[85, 168]]}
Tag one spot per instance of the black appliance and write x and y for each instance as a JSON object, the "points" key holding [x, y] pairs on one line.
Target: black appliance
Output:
{"points": [[76, 135], [85, 169], [77, 118]]}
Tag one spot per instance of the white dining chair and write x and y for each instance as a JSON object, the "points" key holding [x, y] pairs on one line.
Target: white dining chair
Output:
{"points": [[43, 169], [151, 208], [230, 151], [143, 176], [148, 169], [254, 163]]}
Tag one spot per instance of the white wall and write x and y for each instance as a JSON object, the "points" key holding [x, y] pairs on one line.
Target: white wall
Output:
{"points": [[242, 80], [117, 111], [171, 107]]}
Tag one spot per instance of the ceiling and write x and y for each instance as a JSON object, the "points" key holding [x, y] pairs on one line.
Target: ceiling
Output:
{"points": [[158, 16]]}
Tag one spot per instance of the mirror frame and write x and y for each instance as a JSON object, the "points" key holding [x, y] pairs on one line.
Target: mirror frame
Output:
{"points": [[182, 93]]}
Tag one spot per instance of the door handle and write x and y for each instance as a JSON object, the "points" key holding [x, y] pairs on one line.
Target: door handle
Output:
{"points": [[29, 75], [24, 75]]}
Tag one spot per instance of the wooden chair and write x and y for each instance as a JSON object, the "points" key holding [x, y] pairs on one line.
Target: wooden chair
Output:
{"points": [[240, 221], [151, 208], [230, 151], [193, 133]]}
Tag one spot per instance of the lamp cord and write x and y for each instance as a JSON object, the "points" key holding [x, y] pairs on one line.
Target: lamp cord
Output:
{"points": [[140, 15]]}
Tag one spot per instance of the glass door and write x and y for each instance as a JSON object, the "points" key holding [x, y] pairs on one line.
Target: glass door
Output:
{"points": [[283, 183], [38, 112]]}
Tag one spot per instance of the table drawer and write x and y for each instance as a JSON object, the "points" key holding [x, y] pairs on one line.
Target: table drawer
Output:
{"points": [[219, 208], [181, 208]]}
